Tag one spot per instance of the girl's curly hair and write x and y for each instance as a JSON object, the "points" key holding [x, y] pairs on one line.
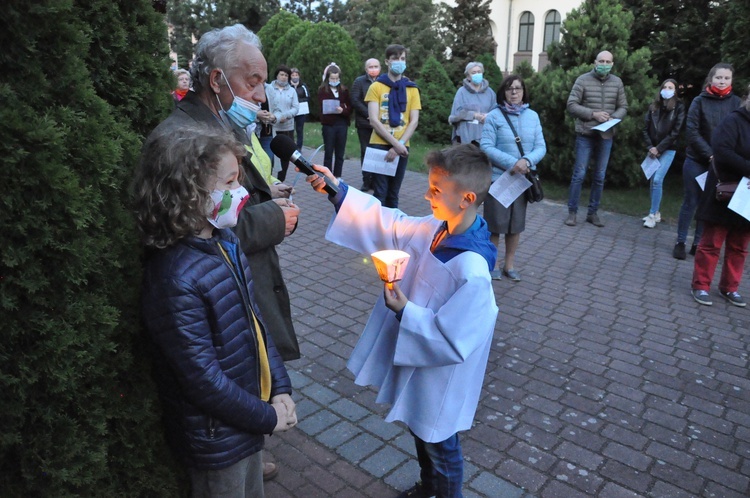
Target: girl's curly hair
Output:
{"points": [[173, 184]]}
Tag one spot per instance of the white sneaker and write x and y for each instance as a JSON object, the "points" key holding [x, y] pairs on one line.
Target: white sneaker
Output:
{"points": [[649, 221], [657, 217]]}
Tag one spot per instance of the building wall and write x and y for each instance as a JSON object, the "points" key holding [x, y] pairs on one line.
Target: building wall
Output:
{"points": [[506, 33]]}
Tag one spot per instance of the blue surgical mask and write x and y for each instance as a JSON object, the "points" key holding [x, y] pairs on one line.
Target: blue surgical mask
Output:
{"points": [[477, 78], [242, 112], [666, 94], [398, 67], [334, 83]]}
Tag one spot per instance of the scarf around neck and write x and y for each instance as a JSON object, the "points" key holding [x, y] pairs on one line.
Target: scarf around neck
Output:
{"points": [[719, 93], [396, 97]]}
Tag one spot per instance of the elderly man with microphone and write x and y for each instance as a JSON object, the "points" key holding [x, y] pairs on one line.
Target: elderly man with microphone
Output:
{"points": [[228, 74]]}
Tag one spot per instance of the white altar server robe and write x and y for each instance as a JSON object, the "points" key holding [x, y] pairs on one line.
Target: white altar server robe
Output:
{"points": [[429, 366]]}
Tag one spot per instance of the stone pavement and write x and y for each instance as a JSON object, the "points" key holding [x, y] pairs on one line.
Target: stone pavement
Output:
{"points": [[605, 379]]}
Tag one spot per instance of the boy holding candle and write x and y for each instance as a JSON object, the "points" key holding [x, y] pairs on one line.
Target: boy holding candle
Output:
{"points": [[428, 338]]}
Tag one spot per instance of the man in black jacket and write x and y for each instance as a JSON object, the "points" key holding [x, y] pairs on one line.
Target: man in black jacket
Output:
{"points": [[361, 119], [228, 74]]}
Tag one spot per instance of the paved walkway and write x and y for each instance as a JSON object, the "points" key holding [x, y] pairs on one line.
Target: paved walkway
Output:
{"points": [[605, 379]]}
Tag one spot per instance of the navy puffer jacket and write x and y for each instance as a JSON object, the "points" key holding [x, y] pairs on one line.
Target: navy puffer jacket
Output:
{"points": [[206, 361]]}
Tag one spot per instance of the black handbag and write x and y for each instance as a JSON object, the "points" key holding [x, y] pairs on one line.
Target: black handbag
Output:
{"points": [[724, 190], [534, 193]]}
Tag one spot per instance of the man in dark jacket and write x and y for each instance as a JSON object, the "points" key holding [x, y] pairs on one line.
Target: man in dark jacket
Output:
{"points": [[361, 116], [268, 216], [596, 97]]}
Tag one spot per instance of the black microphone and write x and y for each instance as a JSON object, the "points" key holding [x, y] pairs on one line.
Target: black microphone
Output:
{"points": [[285, 148]]}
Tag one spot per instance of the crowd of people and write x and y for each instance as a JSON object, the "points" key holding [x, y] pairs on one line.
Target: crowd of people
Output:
{"points": [[211, 213]]}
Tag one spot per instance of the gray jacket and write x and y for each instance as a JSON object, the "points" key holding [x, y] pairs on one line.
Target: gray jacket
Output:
{"points": [[593, 93], [466, 102], [283, 103]]}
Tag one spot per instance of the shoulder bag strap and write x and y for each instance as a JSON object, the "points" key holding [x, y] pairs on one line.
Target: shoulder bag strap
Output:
{"points": [[513, 129]]}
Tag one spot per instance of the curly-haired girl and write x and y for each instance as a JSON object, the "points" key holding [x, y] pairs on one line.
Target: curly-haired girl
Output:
{"points": [[222, 383]]}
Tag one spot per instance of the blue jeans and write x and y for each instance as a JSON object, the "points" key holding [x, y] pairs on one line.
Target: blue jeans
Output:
{"points": [[691, 196], [386, 188], [665, 161], [299, 129], [441, 466], [334, 140], [265, 144], [585, 147]]}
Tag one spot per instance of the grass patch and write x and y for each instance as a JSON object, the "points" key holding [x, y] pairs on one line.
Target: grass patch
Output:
{"points": [[633, 201]]}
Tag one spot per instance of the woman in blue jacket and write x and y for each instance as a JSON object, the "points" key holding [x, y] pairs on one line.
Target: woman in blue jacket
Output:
{"points": [[499, 142]]}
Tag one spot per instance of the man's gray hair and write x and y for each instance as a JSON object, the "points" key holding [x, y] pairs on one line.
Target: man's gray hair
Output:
{"points": [[472, 65], [217, 49]]}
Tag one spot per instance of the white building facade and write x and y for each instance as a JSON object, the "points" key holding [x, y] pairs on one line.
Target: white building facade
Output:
{"points": [[523, 28]]}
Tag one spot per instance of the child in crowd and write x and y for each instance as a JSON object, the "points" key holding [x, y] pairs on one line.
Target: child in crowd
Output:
{"points": [[222, 383], [428, 338]]}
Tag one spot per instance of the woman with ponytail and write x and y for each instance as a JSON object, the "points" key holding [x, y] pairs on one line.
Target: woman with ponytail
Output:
{"points": [[335, 109], [662, 126], [714, 103]]}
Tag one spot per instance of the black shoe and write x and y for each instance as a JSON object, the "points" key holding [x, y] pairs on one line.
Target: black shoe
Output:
{"points": [[419, 490], [679, 251], [734, 298], [693, 248]]}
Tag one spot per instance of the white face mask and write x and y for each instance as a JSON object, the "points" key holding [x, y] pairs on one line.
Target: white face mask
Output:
{"points": [[227, 205], [667, 93]]}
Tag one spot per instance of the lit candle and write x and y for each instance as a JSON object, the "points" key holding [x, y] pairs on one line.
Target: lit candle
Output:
{"points": [[391, 265]]}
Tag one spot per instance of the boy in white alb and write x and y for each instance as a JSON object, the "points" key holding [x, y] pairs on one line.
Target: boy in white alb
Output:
{"points": [[427, 341]]}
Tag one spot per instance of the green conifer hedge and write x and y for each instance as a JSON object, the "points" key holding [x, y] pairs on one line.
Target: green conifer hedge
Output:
{"points": [[83, 81]]}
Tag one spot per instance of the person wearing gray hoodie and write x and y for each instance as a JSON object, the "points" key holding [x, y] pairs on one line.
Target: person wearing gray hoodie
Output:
{"points": [[471, 104]]}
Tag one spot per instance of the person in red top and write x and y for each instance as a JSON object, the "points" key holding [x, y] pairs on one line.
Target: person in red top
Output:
{"points": [[335, 109], [183, 85]]}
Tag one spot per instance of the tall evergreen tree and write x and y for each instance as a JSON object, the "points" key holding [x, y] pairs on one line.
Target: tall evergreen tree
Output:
{"points": [[317, 11], [275, 29], [469, 34], [492, 72], [76, 400], [323, 43], [436, 92], [734, 42], [595, 26], [684, 36], [375, 24], [191, 18]]}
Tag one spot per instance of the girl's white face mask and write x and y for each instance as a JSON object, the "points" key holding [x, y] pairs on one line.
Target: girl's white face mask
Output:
{"points": [[227, 205]]}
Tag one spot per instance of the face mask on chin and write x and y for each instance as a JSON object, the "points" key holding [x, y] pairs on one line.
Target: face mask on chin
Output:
{"points": [[373, 73], [226, 206], [242, 112]]}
